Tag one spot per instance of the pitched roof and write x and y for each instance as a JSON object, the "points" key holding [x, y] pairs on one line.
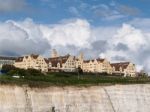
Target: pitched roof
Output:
{"points": [[34, 56], [100, 60], [19, 59], [46, 60], [86, 61], [117, 66], [60, 59]]}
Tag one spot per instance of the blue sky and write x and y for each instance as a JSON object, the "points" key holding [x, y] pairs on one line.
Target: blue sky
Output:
{"points": [[97, 12]]}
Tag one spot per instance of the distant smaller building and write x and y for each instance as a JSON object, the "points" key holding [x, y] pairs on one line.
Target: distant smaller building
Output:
{"points": [[125, 68], [6, 60]]}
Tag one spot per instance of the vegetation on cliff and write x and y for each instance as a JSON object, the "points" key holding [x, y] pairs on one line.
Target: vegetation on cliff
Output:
{"points": [[35, 78]]}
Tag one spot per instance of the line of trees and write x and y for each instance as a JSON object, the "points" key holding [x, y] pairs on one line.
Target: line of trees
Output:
{"points": [[12, 70]]}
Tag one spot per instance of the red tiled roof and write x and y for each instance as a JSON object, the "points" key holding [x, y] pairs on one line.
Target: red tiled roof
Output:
{"points": [[117, 66], [34, 56], [56, 60], [86, 61], [100, 60], [46, 60], [19, 59]]}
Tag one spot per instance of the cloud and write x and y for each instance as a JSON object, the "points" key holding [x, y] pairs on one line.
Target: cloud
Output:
{"points": [[121, 46], [143, 23], [74, 11], [106, 12], [119, 58], [127, 10], [17, 40], [24, 37], [130, 36], [12, 5], [100, 45], [114, 11], [126, 42], [130, 43], [75, 32]]}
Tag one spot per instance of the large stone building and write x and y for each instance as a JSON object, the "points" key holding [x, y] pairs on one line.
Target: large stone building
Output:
{"points": [[5, 60], [32, 61], [62, 63], [125, 68], [70, 63], [97, 65]]}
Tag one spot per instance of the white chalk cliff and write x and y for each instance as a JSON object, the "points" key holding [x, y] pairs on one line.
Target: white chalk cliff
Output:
{"points": [[115, 98]]}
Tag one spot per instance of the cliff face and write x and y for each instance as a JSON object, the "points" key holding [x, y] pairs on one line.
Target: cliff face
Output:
{"points": [[116, 98]]}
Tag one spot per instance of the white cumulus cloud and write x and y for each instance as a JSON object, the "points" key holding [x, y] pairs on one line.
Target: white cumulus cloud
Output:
{"points": [[128, 42], [16, 40], [21, 37], [72, 32]]}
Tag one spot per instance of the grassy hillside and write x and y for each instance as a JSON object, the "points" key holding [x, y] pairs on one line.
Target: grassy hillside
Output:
{"points": [[66, 79]]}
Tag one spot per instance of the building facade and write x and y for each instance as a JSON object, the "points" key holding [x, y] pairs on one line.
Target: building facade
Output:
{"points": [[124, 68], [62, 63], [4, 60], [32, 61], [70, 63], [97, 65]]}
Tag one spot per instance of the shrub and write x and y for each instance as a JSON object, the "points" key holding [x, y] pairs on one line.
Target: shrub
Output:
{"points": [[34, 72], [6, 68]]}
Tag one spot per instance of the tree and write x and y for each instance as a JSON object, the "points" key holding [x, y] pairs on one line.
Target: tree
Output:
{"points": [[6, 68], [79, 71], [34, 72]]}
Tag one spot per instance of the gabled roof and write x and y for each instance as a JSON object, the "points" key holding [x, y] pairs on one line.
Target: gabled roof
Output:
{"points": [[86, 61], [100, 60], [46, 60], [60, 59], [19, 59], [117, 66], [34, 56]]}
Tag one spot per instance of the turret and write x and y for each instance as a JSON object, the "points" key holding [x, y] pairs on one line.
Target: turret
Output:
{"points": [[54, 53], [81, 56]]}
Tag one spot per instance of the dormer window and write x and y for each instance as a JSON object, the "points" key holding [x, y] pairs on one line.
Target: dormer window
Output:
{"points": [[50, 64], [58, 65], [120, 68]]}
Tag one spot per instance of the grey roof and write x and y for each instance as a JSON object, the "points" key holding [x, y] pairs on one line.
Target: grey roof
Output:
{"points": [[7, 58]]}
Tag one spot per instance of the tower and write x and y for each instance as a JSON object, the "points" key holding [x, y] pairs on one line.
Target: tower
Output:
{"points": [[54, 53], [81, 56]]}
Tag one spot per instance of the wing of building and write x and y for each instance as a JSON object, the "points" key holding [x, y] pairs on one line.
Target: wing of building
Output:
{"points": [[32, 61], [62, 63], [7, 60], [125, 68], [97, 65], [69, 63]]}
